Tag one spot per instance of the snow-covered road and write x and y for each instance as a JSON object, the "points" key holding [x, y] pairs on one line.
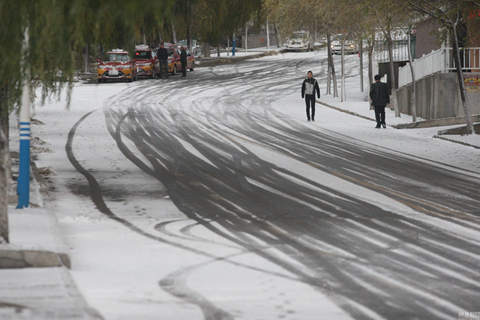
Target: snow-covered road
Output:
{"points": [[217, 203]]}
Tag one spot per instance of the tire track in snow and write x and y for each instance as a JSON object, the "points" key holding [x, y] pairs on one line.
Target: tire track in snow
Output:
{"points": [[161, 145], [210, 311]]}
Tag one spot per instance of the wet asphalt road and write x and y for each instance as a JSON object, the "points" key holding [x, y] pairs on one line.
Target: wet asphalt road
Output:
{"points": [[367, 259]]}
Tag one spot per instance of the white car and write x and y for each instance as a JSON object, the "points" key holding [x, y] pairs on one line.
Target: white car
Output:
{"points": [[300, 41], [297, 44], [350, 47]]}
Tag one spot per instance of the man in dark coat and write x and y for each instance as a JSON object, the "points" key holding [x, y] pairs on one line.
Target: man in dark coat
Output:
{"points": [[309, 88], [162, 55], [380, 95], [183, 61]]}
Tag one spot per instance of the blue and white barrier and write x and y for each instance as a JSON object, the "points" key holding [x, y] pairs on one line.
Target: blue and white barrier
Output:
{"points": [[23, 187]]}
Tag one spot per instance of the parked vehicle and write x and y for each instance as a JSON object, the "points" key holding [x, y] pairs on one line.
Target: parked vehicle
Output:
{"points": [[196, 50], [190, 60], [174, 64], [145, 61], [173, 58], [300, 41], [116, 65], [349, 47]]}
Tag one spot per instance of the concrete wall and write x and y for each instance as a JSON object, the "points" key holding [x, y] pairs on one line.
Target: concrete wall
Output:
{"points": [[259, 40], [438, 97]]}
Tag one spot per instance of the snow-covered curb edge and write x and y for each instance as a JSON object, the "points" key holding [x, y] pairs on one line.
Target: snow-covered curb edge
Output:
{"points": [[345, 111], [455, 141]]}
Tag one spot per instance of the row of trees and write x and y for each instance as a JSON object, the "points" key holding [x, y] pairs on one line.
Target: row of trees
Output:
{"points": [[44, 43]]}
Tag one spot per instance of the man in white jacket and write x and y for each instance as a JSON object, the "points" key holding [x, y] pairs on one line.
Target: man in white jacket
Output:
{"points": [[309, 88]]}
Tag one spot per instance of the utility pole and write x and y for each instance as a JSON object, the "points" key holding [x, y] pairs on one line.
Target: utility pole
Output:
{"points": [[23, 187]]}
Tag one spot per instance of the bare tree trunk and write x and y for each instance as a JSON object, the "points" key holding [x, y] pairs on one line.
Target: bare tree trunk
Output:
{"points": [[343, 94], [218, 50], [362, 89], [268, 34], [277, 35], [393, 83], [85, 59], [4, 111], [174, 33], [466, 108], [189, 25], [3, 186], [371, 45], [329, 78], [413, 99], [246, 37], [332, 65], [206, 49]]}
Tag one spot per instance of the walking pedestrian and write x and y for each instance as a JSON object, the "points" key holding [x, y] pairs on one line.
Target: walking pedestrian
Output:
{"points": [[380, 96], [309, 88], [162, 54], [183, 61]]}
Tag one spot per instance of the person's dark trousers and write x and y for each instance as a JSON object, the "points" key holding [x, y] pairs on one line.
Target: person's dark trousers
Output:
{"points": [[310, 102], [184, 69], [380, 115], [163, 69]]}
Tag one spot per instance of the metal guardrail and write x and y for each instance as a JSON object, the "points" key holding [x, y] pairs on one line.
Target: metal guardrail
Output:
{"points": [[441, 60], [400, 51], [469, 59], [426, 65]]}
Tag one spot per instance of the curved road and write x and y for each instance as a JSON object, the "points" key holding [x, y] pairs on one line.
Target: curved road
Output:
{"points": [[217, 145]]}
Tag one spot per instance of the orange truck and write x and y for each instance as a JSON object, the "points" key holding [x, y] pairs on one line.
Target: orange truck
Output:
{"points": [[116, 65]]}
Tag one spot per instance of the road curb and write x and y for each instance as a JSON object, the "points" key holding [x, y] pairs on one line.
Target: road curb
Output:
{"points": [[455, 141], [436, 123], [345, 111], [232, 60], [12, 258]]}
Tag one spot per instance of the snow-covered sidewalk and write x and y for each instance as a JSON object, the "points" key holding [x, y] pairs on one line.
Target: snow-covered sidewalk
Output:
{"points": [[357, 105], [38, 284]]}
